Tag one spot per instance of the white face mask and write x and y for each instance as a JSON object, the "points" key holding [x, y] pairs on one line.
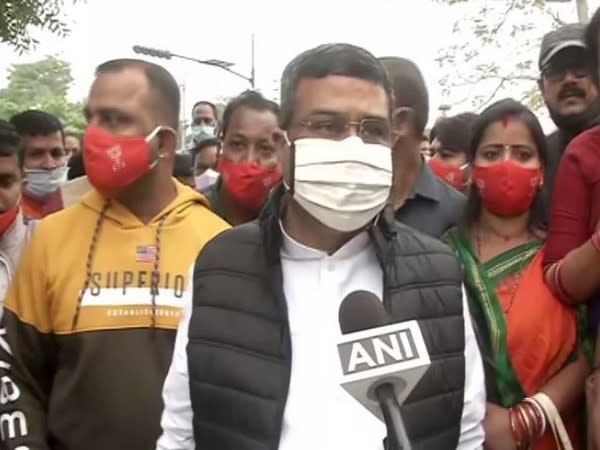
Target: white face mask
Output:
{"points": [[41, 183], [206, 179], [342, 184]]}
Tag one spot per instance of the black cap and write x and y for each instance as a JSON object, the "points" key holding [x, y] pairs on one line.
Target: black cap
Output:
{"points": [[570, 35]]}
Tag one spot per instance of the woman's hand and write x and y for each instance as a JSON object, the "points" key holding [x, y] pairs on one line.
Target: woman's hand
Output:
{"points": [[498, 434]]}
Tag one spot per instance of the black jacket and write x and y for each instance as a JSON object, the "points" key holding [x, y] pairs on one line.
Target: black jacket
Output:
{"points": [[240, 349]]}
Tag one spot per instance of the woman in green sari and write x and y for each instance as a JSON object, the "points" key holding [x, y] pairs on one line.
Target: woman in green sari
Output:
{"points": [[527, 337]]}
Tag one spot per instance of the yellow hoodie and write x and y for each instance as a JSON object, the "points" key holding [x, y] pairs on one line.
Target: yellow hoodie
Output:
{"points": [[86, 371]]}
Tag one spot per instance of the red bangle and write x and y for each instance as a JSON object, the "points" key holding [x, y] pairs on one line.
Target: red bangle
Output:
{"points": [[517, 427], [536, 419], [558, 283], [525, 421], [526, 424]]}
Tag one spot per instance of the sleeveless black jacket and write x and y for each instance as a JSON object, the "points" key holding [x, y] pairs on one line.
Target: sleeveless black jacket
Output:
{"points": [[239, 351]]}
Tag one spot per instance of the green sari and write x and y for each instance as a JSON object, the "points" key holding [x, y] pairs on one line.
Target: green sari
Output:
{"points": [[480, 282]]}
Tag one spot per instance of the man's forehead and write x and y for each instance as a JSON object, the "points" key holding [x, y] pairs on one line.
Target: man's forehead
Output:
{"points": [[343, 94], [52, 139], [9, 164], [126, 84], [203, 110]]}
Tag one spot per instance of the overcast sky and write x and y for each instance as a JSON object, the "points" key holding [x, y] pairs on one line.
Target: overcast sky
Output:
{"points": [[106, 29]]}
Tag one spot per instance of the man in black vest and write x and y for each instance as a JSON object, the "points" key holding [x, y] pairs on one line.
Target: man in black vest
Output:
{"points": [[256, 360]]}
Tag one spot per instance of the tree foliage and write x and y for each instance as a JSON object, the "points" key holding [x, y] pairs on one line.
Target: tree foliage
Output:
{"points": [[19, 17], [494, 51], [42, 85]]}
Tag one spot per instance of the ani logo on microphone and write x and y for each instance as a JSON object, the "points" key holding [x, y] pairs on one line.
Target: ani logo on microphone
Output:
{"points": [[369, 353], [394, 354]]}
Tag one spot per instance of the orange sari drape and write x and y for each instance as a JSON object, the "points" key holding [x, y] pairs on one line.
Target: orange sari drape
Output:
{"points": [[538, 351]]}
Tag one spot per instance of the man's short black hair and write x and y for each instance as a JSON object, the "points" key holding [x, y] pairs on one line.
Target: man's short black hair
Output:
{"points": [[161, 82], [36, 123], [251, 100], [207, 103], [326, 60], [10, 141], [592, 32], [454, 133], [409, 89]]}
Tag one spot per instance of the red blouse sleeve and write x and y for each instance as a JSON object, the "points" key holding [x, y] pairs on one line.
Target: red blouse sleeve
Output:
{"points": [[572, 201]]}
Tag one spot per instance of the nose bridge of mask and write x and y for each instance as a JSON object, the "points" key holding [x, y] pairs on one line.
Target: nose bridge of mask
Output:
{"points": [[312, 151]]}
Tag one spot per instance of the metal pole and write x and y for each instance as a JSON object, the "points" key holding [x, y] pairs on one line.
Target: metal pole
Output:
{"points": [[223, 65], [252, 73], [582, 11], [182, 120]]}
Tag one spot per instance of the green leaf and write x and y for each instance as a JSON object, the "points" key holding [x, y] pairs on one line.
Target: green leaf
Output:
{"points": [[18, 18], [42, 85]]}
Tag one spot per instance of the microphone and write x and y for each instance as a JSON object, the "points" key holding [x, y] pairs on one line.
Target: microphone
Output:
{"points": [[381, 361]]}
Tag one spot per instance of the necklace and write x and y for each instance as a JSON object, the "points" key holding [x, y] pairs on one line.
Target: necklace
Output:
{"points": [[517, 278]]}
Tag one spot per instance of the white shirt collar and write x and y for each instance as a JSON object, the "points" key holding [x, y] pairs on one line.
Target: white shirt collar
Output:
{"points": [[295, 250]]}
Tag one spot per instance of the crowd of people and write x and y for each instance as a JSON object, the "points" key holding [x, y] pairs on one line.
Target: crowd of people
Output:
{"points": [[189, 299]]}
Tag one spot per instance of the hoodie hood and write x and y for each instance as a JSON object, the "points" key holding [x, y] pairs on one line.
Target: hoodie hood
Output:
{"points": [[185, 198]]}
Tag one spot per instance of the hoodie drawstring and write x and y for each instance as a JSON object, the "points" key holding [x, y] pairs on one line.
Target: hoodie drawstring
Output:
{"points": [[155, 272], [155, 278]]}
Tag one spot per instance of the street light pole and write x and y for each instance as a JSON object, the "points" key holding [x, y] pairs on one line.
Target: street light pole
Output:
{"points": [[582, 11], [166, 54], [252, 70]]}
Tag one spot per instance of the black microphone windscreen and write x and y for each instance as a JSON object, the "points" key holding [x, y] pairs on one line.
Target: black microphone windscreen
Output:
{"points": [[362, 310]]}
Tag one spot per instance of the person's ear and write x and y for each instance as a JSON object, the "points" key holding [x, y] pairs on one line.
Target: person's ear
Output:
{"points": [[403, 122], [403, 125], [167, 143], [280, 142], [540, 83]]}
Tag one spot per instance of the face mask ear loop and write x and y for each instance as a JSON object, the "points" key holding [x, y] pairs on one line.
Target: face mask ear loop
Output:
{"points": [[153, 133], [292, 169]]}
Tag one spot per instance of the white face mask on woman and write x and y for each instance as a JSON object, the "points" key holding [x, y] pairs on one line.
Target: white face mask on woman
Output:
{"points": [[343, 184]]}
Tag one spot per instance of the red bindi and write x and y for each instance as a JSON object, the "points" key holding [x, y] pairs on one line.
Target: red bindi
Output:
{"points": [[505, 121]]}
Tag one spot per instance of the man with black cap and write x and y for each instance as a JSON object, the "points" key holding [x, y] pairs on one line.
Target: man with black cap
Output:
{"points": [[568, 91]]}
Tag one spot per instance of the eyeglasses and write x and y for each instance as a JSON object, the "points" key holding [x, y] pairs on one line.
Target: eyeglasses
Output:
{"points": [[557, 73], [370, 130]]}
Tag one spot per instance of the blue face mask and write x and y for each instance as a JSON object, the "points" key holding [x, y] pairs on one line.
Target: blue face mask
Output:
{"points": [[202, 133]]}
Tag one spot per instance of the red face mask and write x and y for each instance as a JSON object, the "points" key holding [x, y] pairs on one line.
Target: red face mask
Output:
{"points": [[114, 162], [507, 189], [247, 182], [450, 174], [7, 218]]}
